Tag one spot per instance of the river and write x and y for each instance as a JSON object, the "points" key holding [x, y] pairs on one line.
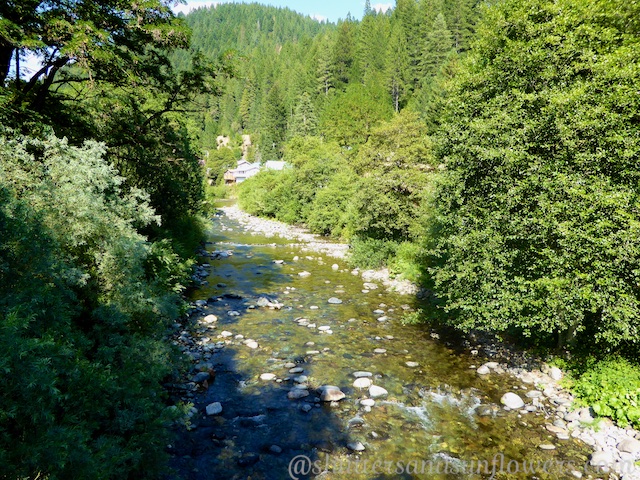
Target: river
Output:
{"points": [[427, 425]]}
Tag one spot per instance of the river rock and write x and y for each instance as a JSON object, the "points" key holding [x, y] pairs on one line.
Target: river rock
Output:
{"points": [[335, 301], [210, 319], [275, 449], [324, 328], [330, 393], [376, 391], [300, 379], [252, 344], [356, 446], [380, 350], [629, 445], [412, 364], [267, 377], [226, 334], [335, 267], [533, 394], [214, 408], [362, 374], [304, 274], [306, 407], [484, 411], [512, 401], [483, 370], [367, 402], [362, 383], [200, 377], [601, 459], [297, 393], [262, 302], [296, 370], [547, 446], [555, 373]]}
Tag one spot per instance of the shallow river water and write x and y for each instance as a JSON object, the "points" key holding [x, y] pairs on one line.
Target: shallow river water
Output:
{"points": [[427, 426]]}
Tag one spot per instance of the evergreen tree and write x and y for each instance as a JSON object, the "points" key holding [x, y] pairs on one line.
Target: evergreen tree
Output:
{"points": [[274, 124], [304, 121], [438, 46], [343, 53], [397, 66], [325, 67]]}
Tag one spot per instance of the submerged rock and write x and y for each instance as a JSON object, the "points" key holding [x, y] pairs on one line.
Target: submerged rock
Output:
{"points": [[214, 408]]}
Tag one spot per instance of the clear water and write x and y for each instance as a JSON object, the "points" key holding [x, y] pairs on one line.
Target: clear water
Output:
{"points": [[426, 427]]}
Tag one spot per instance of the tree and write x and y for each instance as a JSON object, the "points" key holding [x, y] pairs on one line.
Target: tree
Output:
{"points": [[536, 225], [304, 121], [274, 124], [394, 167], [325, 67], [397, 65], [438, 47], [343, 53]]}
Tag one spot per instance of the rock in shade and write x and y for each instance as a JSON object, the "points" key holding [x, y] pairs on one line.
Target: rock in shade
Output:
{"points": [[412, 364], [306, 407], [330, 393], [356, 446], [200, 377], [367, 402], [375, 391], [267, 377], [275, 449], [297, 394], [362, 383], [296, 370], [512, 400], [214, 408], [483, 370], [335, 301]]}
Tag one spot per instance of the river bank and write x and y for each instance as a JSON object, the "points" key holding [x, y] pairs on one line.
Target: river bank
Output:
{"points": [[276, 321]]}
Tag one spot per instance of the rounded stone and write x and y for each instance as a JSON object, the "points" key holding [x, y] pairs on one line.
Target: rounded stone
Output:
{"points": [[483, 370], [362, 383], [412, 364], [512, 401], [367, 402], [214, 408], [356, 446], [330, 393], [267, 377], [376, 391]]}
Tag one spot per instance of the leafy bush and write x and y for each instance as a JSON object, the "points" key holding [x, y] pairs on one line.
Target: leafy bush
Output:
{"points": [[371, 252], [85, 301], [612, 388], [537, 219]]}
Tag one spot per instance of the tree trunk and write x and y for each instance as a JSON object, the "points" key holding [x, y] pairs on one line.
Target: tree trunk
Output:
{"points": [[6, 52]]}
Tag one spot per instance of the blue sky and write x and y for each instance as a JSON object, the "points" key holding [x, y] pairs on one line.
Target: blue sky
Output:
{"points": [[331, 10]]}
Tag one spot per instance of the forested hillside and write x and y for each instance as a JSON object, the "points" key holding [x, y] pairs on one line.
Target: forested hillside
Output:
{"points": [[489, 151]]}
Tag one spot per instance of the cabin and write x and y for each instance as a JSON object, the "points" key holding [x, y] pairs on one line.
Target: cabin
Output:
{"points": [[243, 171]]}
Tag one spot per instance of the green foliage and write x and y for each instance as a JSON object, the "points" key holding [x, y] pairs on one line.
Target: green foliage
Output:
{"points": [[371, 252], [85, 300], [612, 388], [537, 217]]}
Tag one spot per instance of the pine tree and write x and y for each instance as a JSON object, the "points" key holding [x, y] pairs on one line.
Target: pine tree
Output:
{"points": [[274, 123], [438, 46], [343, 53], [304, 121], [397, 66], [325, 67]]}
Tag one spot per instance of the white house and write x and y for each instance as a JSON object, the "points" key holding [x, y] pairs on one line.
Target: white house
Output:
{"points": [[243, 171]]}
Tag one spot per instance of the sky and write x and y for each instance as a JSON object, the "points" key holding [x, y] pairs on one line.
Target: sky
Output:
{"points": [[331, 10]]}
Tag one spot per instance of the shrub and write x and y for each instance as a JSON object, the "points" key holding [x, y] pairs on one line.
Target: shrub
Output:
{"points": [[612, 388]]}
